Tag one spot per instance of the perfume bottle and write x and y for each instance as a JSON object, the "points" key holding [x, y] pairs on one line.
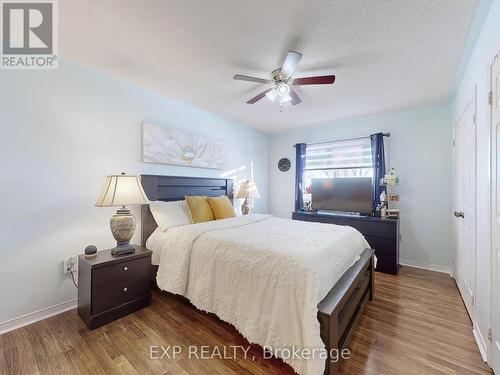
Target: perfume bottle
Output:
{"points": [[383, 212], [383, 197]]}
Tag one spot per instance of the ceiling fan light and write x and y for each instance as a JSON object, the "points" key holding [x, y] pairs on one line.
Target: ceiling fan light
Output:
{"points": [[283, 89], [271, 95], [285, 99]]}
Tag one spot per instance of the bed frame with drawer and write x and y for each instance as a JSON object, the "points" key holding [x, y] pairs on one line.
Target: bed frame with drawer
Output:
{"points": [[338, 312]]}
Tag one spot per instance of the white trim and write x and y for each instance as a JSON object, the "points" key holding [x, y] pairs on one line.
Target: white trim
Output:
{"points": [[35, 316], [426, 266], [492, 200], [481, 344]]}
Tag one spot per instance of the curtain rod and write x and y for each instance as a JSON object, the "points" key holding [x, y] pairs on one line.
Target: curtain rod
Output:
{"points": [[346, 139]]}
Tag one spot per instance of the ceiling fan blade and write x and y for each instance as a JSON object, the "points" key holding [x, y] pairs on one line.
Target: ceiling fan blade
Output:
{"points": [[241, 77], [295, 98], [318, 80], [291, 61], [258, 97]]}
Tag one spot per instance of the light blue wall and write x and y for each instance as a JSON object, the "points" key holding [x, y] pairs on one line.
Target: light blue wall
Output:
{"points": [[482, 11], [419, 148], [62, 132], [476, 79]]}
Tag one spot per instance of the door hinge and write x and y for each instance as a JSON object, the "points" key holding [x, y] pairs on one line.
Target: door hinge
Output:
{"points": [[474, 118], [490, 334], [473, 301], [490, 98], [453, 143]]}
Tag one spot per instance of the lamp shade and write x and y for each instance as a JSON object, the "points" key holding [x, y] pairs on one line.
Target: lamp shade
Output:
{"points": [[248, 189], [121, 190]]}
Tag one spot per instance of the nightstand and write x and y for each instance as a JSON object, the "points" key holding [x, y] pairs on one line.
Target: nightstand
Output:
{"points": [[110, 287]]}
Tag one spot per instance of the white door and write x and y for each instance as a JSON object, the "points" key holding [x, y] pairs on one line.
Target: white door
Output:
{"points": [[495, 161], [464, 219]]}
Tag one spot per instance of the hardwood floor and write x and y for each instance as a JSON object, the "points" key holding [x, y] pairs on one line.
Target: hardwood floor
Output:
{"points": [[417, 324]]}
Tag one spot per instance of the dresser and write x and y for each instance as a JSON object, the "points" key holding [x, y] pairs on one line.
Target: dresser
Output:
{"points": [[110, 287], [382, 234]]}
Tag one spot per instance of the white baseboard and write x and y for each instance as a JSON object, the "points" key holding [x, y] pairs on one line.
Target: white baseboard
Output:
{"points": [[425, 266], [481, 344], [24, 320]]}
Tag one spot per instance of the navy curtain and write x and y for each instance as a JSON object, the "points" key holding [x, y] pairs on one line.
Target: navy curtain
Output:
{"points": [[300, 161], [378, 159]]}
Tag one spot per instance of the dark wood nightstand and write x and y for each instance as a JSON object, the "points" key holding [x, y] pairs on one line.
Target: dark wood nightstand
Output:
{"points": [[110, 287]]}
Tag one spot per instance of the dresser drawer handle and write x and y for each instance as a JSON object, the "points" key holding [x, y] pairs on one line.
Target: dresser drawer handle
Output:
{"points": [[125, 268], [125, 290]]}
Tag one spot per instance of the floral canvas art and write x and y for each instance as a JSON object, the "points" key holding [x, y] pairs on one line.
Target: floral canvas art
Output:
{"points": [[163, 145]]}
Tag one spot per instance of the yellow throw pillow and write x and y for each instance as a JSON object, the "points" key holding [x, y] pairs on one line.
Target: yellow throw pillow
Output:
{"points": [[221, 207], [199, 208]]}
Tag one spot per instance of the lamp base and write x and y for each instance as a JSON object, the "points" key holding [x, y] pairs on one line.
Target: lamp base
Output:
{"points": [[122, 226], [123, 248], [245, 207]]}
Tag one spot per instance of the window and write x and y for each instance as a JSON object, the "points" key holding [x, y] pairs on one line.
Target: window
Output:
{"points": [[347, 158]]}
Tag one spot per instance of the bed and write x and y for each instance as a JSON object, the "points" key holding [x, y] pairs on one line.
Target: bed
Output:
{"points": [[242, 247]]}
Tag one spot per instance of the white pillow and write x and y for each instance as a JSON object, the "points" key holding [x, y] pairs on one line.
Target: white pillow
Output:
{"points": [[170, 214]]}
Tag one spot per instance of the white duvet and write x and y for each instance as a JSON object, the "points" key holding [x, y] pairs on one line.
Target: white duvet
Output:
{"points": [[262, 274]]}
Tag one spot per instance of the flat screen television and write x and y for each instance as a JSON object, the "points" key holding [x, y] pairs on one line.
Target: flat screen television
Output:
{"points": [[350, 194]]}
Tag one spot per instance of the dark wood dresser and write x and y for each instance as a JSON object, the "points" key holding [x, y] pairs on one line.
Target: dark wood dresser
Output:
{"points": [[110, 287], [381, 234]]}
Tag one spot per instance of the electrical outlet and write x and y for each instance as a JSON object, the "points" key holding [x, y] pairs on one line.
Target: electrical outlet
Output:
{"points": [[70, 263]]}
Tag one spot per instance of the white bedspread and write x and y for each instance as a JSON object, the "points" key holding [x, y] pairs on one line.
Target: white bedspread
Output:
{"points": [[262, 274]]}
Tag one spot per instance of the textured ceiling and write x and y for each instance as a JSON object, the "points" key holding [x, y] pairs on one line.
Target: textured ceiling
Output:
{"points": [[385, 54]]}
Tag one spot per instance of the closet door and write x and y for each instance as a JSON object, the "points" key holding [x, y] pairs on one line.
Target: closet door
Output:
{"points": [[464, 210], [495, 161]]}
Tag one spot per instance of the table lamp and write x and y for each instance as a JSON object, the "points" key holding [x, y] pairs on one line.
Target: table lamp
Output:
{"points": [[121, 191], [247, 190]]}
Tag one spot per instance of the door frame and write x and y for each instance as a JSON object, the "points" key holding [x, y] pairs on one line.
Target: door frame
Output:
{"points": [[493, 150]]}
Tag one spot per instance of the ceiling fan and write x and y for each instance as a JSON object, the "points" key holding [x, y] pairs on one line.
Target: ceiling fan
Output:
{"points": [[282, 91]]}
